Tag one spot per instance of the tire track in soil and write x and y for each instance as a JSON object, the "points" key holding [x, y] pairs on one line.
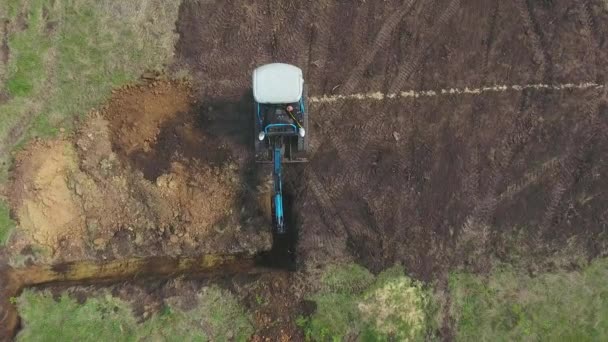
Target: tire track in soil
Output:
{"points": [[333, 240], [319, 52], [565, 179], [485, 208], [588, 20], [207, 37], [367, 131], [218, 17], [370, 129], [570, 166], [590, 25], [216, 45], [531, 27], [287, 20], [274, 28], [530, 177], [407, 69], [357, 38], [319, 45], [293, 34], [382, 38], [471, 183], [353, 80]]}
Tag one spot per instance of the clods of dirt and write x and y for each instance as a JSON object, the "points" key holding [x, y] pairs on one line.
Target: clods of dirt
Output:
{"points": [[140, 177]]}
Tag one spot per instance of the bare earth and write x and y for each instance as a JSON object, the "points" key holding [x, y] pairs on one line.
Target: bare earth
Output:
{"points": [[140, 177]]}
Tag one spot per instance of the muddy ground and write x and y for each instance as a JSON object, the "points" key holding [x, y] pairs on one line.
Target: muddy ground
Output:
{"points": [[434, 183]]}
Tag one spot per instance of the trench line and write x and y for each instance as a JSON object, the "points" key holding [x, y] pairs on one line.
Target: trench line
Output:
{"points": [[379, 96]]}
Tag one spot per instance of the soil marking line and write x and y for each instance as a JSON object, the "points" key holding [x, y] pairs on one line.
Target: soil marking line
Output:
{"points": [[379, 96]]}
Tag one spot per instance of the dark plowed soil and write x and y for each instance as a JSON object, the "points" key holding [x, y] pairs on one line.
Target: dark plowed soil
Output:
{"points": [[466, 177]]}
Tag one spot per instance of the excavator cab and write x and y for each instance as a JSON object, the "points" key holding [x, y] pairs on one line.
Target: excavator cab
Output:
{"points": [[281, 125], [280, 112]]}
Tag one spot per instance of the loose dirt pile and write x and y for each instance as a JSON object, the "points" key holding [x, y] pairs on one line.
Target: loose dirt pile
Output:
{"points": [[140, 177], [47, 208]]}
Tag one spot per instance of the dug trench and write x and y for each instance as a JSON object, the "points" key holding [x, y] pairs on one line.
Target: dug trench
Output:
{"points": [[267, 267], [152, 185], [13, 281]]}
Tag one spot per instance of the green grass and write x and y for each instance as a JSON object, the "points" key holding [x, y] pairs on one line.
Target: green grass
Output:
{"points": [[218, 317], [355, 303], [12, 7], [94, 46], [6, 224], [347, 278], [29, 49], [99, 319], [69, 56], [510, 305]]}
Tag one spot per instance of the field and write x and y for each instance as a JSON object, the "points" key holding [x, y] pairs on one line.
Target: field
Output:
{"points": [[456, 186]]}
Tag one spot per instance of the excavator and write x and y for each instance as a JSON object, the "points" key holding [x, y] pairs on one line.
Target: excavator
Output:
{"points": [[281, 126]]}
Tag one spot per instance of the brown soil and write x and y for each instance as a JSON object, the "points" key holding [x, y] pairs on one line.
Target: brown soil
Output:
{"points": [[141, 177], [470, 178], [47, 209]]}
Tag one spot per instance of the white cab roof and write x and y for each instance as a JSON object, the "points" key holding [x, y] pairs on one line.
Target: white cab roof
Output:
{"points": [[277, 83]]}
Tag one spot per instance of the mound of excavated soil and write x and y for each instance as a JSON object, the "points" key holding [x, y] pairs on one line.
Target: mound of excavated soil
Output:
{"points": [[140, 177]]}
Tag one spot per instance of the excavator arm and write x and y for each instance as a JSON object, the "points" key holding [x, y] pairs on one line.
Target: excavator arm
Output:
{"points": [[277, 197]]}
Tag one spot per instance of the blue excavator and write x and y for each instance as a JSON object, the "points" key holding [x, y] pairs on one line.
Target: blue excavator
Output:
{"points": [[281, 126]]}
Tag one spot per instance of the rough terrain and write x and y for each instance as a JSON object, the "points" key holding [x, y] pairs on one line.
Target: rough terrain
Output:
{"points": [[140, 177], [439, 181]]}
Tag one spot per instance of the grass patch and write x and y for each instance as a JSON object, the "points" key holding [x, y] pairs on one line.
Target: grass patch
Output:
{"points": [[6, 224], [69, 55], [99, 319], [354, 303], [28, 49], [510, 305], [218, 317], [348, 278]]}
